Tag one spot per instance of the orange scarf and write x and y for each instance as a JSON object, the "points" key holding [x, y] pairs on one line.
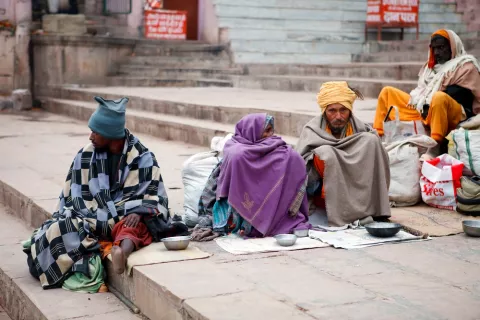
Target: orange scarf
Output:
{"points": [[431, 58]]}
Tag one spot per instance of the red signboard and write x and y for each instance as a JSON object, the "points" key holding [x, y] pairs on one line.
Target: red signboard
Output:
{"points": [[399, 13], [165, 24]]}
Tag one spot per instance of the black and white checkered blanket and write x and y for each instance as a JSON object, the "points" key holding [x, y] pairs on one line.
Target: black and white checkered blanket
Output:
{"points": [[89, 207]]}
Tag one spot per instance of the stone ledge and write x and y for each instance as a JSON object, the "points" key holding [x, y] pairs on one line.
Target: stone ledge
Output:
{"points": [[81, 41], [95, 41], [22, 296]]}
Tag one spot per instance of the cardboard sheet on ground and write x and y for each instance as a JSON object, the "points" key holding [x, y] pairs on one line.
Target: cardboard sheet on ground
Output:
{"points": [[237, 245], [359, 238], [157, 253], [425, 220]]}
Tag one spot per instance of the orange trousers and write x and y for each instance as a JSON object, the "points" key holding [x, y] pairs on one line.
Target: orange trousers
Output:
{"points": [[443, 116]]}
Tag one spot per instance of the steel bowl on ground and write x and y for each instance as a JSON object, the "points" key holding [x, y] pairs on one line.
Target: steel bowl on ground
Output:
{"points": [[177, 243], [471, 227], [383, 229], [286, 240], [301, 233]]}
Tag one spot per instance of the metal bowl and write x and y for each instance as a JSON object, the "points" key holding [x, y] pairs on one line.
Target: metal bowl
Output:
{"points": [[383, 229], [301, 233], [471, 227], [177, 243], [286, 240]]}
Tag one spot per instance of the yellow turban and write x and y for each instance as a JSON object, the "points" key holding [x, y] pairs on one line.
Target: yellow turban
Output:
{"points": [[335, 92]]}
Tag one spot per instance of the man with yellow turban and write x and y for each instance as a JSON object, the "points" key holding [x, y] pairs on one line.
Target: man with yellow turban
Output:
{"points": [[447, 93], [348, 170]]}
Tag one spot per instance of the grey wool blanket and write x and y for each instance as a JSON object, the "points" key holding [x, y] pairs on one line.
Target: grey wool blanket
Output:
{"points": [[357, 173]]}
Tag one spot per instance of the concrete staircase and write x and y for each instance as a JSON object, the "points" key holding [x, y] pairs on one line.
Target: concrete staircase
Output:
{"points": [[313, 32], [289, 46], [388, 63], [175, 64], [164, 112]]}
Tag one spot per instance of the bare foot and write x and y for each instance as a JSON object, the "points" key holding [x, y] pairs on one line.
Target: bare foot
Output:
{"points": [[118, 260]]}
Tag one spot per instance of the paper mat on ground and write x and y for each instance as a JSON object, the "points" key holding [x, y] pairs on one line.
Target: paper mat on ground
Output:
{"points": [[237, 245], [430, 221], [157, 253], [358, 238]]}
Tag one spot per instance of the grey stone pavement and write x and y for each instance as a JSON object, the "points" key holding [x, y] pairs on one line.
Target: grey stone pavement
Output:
{"points": [[437, 279]]}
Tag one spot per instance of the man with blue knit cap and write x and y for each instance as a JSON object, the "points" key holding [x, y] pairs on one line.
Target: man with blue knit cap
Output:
{"points": [[113, 195]]}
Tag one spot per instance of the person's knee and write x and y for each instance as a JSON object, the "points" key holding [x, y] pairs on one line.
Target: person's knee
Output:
{"points": [[386, 90], [438, 99], [370, 137]]}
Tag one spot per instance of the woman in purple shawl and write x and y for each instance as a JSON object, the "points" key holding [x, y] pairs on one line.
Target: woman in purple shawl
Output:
{"points": [[263, 179]]}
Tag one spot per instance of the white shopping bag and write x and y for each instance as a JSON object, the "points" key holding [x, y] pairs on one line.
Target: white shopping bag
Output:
{"points": [[440, 180], [397, 130]]}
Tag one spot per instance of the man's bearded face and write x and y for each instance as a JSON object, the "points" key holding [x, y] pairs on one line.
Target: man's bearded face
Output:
{"points": [[441, 49], [337, 117]]}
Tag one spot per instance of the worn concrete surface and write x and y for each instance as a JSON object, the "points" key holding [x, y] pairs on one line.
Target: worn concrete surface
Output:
{"points": [[23, 297], [436, 279]]}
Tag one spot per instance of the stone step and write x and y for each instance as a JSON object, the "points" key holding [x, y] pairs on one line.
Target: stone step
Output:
{"points": [[287, 123], [131, 81], [328, 5], [296, 47], [177, 61], [161, 125], [242, 57], [381, 57], [369, 87], [395, 71], [22, 296], [253, 33], [170, 49], [289, 24], [176, 72], [241, 11], [391, 57], [328, 25], [413, 45], [292, 110]]}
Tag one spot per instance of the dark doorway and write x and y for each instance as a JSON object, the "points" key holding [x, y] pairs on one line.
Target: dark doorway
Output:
{"points": [[191, 6]]}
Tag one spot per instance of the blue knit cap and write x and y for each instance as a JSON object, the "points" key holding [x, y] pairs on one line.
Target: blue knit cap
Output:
{"points": [[109, 118]]}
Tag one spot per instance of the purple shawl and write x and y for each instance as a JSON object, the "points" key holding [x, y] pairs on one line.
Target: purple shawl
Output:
{"points": [[262, 177]]}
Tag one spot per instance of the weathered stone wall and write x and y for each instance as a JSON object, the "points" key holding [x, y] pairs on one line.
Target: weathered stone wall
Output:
{"points": [[7, 58], [14, 59], [83, 60], [471, 11]]}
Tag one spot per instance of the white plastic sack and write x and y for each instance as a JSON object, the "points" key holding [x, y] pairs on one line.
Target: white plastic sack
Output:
{"points": [[440, 180], [465, 146], [218, 143], [404, 170], [195, 173], [397, 130]]}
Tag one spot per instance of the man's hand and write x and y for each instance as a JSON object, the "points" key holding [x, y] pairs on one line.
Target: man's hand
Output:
{"points": [[132, 220]]}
